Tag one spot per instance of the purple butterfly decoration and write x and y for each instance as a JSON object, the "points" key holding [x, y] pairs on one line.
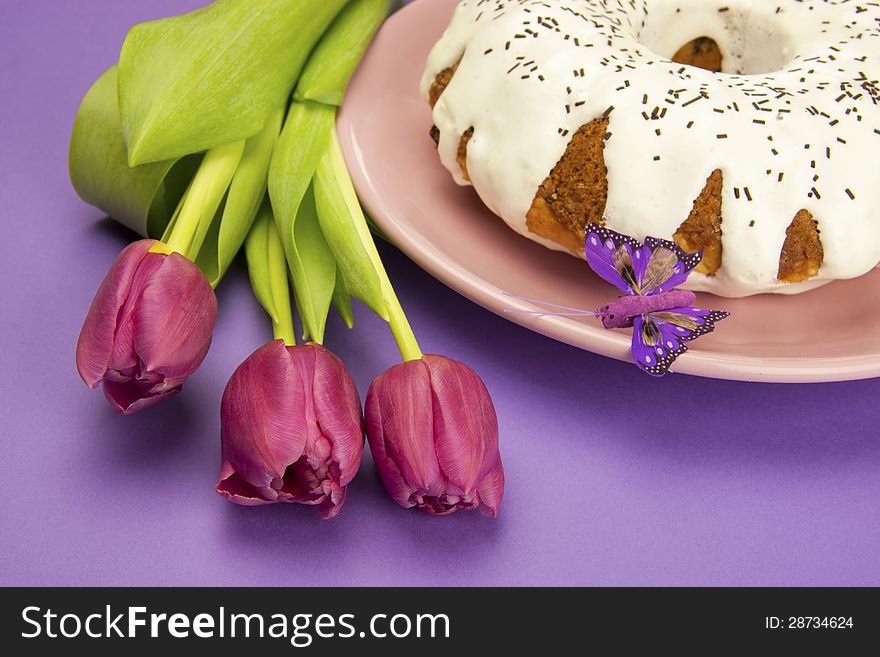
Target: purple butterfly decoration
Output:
{"points": [[663, 318]]}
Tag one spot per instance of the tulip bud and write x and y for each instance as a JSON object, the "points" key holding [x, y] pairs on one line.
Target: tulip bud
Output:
{"points": [[148, 329], [434, 437], [291, 429]]}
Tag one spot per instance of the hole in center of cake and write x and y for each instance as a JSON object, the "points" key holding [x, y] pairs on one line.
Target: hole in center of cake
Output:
{"points": [[702, 52], [731, 40]]}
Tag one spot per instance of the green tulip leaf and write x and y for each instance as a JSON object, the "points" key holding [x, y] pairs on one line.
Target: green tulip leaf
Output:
{"points": [[268, 273], [339, 52], [342, 301], [313, 273], [142, 198], [374, 228], [297, 152], [213, 76], [208, 256], [243, 200], [256, 247], [345, 228]]}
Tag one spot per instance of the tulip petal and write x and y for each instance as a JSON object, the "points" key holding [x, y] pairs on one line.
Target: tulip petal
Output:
{"points": [[333, 502], [95, 344], [261, 416], [465, 424], [491, 490], [400, 429], [389, 473], [124, 359], [338, 412], [237, 490], [127, 397], [174, 319], [302, 484], [442, 505]]}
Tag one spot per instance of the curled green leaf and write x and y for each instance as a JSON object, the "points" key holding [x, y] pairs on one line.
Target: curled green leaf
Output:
{"points": [[374, 228], [340, 50], [278, 279], [313, 272], [243, 200], [348, 234], [342, 301], [268, 273], [189, 83], [256, 247], [300, 147], [345, 228], [142, 198]]}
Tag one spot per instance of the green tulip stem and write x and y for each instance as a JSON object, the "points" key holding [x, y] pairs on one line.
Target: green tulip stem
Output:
{"points": [[203, 198], [282, 323], [399, 324]]}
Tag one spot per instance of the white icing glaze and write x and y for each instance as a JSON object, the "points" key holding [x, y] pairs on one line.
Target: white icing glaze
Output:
{"points": [[814, 122]]}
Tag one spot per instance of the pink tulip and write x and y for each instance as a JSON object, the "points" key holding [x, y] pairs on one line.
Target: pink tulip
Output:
{"points": [[434, 437], [291, 429], [148, 329]]}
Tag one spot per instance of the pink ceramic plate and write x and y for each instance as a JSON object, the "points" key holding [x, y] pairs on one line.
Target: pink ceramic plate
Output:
{"points": [[830, 334]]}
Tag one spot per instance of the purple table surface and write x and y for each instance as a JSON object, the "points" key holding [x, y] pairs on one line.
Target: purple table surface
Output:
{"points": [[612, 478]]}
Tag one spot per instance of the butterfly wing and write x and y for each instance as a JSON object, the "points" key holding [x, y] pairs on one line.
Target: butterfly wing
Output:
{"points": [[661, 337], [611, 255], [661, 265]]}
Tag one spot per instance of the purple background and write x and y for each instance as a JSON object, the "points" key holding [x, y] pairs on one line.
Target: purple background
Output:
{"points": [[612, 477]]}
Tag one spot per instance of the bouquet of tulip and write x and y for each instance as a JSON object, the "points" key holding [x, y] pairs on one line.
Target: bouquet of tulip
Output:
{"points": [[216, 130]]}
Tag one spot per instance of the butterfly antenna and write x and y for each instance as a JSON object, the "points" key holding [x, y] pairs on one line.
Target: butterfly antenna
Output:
{"points": [[572, 312]]}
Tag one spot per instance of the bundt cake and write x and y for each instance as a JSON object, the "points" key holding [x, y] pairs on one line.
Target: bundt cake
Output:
{"points": [[747, 129]]}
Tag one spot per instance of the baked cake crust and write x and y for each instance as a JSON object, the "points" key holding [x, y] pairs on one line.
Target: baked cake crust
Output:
{"points": [[762, 171]]}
